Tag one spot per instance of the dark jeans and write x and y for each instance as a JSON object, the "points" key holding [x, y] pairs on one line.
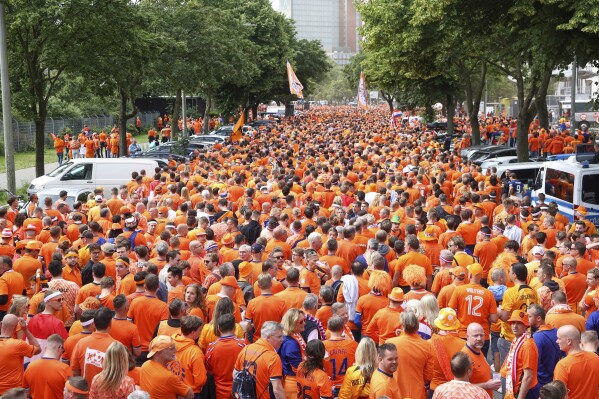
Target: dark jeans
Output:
{"points": [[141, 359]]}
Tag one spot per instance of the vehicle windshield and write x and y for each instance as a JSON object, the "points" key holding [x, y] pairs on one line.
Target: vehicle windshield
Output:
{"points": [[58, 171]]}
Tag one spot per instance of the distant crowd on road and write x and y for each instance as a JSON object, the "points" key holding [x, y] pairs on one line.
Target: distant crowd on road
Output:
{"points": [[332, 255]]}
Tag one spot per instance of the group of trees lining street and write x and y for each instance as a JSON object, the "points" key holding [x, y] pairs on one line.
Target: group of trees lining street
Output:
{"points": [[419, 52], [231, 53]]}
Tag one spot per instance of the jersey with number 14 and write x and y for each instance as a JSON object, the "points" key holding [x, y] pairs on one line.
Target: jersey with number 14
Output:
{"points": [[473, 303], [342, 354]]}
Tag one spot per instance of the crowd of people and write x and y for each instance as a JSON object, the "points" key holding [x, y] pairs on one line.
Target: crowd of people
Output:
{"points": [[332, 255], [102, 144]]}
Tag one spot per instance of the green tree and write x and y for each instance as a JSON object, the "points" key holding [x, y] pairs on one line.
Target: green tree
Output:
{"points": [[46, 39]]}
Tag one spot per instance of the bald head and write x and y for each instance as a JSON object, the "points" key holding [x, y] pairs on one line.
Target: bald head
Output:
{"points": [[475, 336], [569, 332], [337, 272], [9, 324], [568, 339]]}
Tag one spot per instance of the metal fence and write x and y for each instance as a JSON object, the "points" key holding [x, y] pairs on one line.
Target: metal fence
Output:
{"points": [[24, 132]]}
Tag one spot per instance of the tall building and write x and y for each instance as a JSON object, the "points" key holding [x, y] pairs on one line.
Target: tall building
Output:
{"points": [[334, 22]]}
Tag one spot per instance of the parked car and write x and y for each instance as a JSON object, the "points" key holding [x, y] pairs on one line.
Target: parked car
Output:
{"points": [[437, 125], [207, 138], [466, 153], [479, 157], [166, 150]]}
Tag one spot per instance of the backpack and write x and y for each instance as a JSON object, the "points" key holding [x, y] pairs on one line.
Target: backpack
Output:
{"points": [[247, 290], [244, 382]]}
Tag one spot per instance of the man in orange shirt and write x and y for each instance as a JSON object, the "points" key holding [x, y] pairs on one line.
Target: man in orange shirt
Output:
{"points": [[156, 379], [385, 324], [382, 382], [561, 314], [11, 283], [417, 354], [13, 352], [147, 312], [574, 282], [189, 364], [28, 264], [341, 353], [222, 354], [579, 370], [266, 307], [486, 252], [474, 304], [293, 295], [46, 377], [412, 257], [521, 364], [262, 360], [88, 355], [481, 374], [122, 329]]}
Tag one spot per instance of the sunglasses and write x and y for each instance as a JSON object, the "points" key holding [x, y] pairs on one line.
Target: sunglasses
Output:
{"points": [[279, 257]]}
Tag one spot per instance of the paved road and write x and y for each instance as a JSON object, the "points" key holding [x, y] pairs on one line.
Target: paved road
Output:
{"points": [[24, 176]]}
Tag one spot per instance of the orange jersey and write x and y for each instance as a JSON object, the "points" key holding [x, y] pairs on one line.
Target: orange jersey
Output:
{"points": [[147, 312], [342, 354], [473, 304]]}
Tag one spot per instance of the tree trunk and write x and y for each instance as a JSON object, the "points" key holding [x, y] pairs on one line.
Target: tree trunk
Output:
{"points": [[255, 110], [525, 115], [207, 112], [541, 100], [389, 99], [450, 108], [175, 118], [40, 145]]}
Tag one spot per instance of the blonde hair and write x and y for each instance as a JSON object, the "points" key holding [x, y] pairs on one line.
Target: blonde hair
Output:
{"points": [[289, 319], [116, 367], [415, 306], [430, 308], [366, 357], [18, 303]]}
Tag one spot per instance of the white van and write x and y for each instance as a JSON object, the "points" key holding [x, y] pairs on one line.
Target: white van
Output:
{"points": [[93, 172], [570, 184]]}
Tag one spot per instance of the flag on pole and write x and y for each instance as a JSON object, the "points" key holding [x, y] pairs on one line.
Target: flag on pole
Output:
{"points": [[238, 128], [362, 98], [295, 86], [395, 117]]}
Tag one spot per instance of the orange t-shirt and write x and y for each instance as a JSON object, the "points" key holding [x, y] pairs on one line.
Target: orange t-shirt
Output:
{"points": [[473, 304], [86, 291], [147, 312], [88, 355], [160, 383], [11, 283], [528, 358], [418, 353], [468, 231], [580, 373], [384, 325], [486, 252], [72, 341], [125, 332], [11, 368], [266, 307], [368, 305], [260, 359], [221, 356], [383, 384], [445, 346], [342, 354], [315, 385], [45, 378], [481, 371], [293, 297], [412, 258]]}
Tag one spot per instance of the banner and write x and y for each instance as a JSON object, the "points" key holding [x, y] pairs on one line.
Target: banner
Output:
{"points": [[362, 95], [238, 128], [295, 86]]}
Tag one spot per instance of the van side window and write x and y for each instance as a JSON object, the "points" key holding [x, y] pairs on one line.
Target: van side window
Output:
{"points": [[559, 184], [79, 172], [590, 189]]}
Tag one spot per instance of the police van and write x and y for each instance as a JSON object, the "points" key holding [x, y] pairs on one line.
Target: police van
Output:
{"points": [[570, 183]]}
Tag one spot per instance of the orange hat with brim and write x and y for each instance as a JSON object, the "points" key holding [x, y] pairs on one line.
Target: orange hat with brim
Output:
{"points": [[519, 316], [396, 295], [33, 245], [159, 344]]}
